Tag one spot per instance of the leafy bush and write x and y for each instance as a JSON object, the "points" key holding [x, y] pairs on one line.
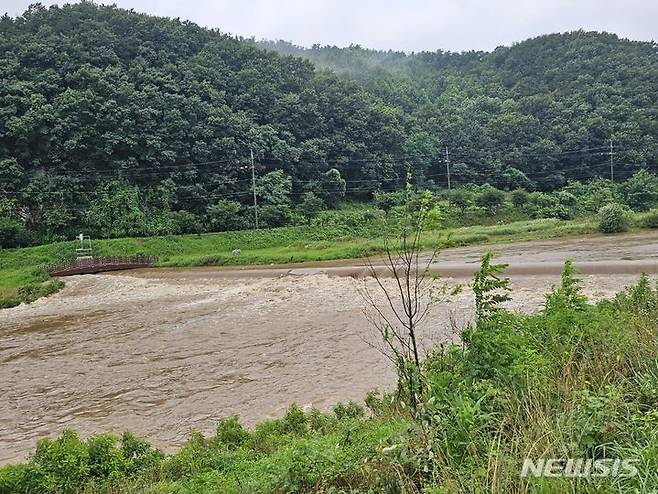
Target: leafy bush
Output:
{"points": [[351, 221], [640, 192], [231, 433], [273, 216], [490, 198], [332, 188], [226, 215], [599, 193], [613, 218], [461, 198], [13, 233], [519, 198], [388, 200], [31, 292], [186, 222], [651, 219], [311, 205], [560, 206]]}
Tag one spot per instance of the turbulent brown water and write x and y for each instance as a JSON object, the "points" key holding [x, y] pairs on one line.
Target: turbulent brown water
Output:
{"points": [[165, 352]]}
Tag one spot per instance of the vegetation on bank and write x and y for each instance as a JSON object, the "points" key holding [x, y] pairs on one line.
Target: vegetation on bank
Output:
{"points": [[574, 380], [466, 216], [25, 269]]}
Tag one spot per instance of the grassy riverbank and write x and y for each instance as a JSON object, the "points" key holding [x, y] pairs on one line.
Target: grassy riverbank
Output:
{"points": [[22, 274], [23, 277], [574, 380]]}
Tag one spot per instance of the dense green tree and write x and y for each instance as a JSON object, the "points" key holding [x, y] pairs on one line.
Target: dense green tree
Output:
{"points": [[640, 192], [332, 188], [226, 215], [274, 189], [520, 198], [490, 198], [273, 215], [116, 211], [461, 198], [311, 205]]}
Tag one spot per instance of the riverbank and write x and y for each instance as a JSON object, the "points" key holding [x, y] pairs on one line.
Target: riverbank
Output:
{"points": [[24, 267], [23, 278]]}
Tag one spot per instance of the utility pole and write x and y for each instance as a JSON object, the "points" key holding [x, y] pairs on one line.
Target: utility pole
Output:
{"points": [[253, 186], [448, 167], [612, 162]]}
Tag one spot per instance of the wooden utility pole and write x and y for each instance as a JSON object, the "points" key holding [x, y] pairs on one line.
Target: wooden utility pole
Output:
{"points": [[612, 162], [253, 186], [448, 167]]}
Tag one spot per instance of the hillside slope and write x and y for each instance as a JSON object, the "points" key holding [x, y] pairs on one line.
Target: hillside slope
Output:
{"points": [[125, 124], [533, 107], [91, 94]]}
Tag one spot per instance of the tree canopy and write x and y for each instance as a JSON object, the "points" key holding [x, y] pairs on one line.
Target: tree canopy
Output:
{"points": [[124, 123]]}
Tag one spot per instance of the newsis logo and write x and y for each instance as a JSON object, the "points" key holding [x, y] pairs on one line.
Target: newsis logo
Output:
{"points": [[579, 468]]}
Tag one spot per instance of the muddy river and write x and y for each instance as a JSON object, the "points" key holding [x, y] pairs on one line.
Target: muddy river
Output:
{"points": [[165, 352]]}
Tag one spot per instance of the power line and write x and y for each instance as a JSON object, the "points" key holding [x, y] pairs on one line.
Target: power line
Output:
{"points": [[181, 167], [491, 180]]}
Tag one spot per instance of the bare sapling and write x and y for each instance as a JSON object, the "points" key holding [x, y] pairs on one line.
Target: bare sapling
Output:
{"points": [[404, 279]]}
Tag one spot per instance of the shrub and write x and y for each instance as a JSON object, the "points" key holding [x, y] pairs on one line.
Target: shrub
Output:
{"points": [[186, 222], [138, 455], [491, 199], [461, 198], [295, 421], [311, 205], [64, 462], [351, 221], [226, 216], [640, 192], [13, 233], [104, 456], [273, 216], [613, 218], [552, 205], [332, 188], [520, 198], [388, 200], [31, 292], [599, 193], [651, 219], [348, 410], [230, 432]]}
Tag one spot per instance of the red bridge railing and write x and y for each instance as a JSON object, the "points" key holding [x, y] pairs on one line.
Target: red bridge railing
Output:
{"points": [[90, 265]]}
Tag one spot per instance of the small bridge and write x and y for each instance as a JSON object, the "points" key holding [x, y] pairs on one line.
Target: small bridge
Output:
{"points": [[90, 265]]}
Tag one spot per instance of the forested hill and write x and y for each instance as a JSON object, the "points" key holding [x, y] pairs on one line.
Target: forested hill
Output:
{"points": [[113, 120], [527, 107], [90, 95]]}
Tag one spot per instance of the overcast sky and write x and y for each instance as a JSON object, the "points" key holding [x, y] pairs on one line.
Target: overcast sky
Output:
{"points": [[411, 25]]}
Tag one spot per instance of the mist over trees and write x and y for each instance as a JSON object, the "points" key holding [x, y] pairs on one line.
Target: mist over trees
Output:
{"points": [[127, 124], [533, 115]]}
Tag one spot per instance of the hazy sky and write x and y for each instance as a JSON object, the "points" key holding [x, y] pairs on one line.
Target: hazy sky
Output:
{"points": [[411, 25]]}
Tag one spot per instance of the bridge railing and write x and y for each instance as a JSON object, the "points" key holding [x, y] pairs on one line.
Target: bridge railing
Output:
{"points": [[103, 263]]}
